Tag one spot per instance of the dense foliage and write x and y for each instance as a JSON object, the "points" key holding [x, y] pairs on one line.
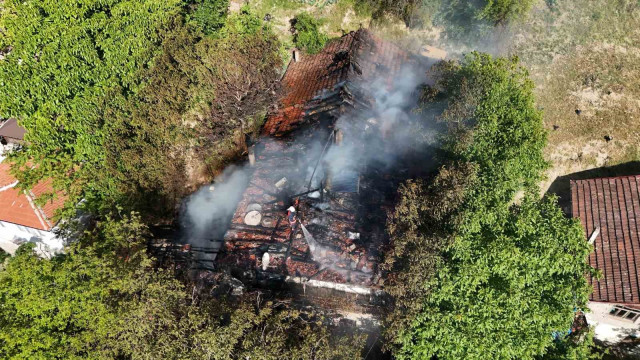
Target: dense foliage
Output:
{"points": [[497, 277], [103, 300], [209, 15], [500, 11], [307, 35], [64, 59], [576, 346], [120, 97], [200, 95]]}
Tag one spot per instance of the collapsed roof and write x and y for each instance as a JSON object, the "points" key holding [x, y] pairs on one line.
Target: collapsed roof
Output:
{"points": [[287, 166]]}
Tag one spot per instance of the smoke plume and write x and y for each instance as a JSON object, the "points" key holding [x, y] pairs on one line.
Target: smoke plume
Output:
{"points": [[207, 212]]}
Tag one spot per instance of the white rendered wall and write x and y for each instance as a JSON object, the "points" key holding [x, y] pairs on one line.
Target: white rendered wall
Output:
{"points": [[609, 328], [12, 236]]}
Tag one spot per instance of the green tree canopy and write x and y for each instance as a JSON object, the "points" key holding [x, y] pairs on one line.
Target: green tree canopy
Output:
{"points": [[209, 15], [504, 274], [103, 300], [120, 98], [199, 97], [307, 35], [62, 59]]}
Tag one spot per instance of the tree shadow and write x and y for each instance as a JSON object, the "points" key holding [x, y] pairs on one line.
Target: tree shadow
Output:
{"points": [[561, 185]]}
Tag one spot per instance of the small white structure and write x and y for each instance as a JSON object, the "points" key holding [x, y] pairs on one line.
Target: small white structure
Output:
{"points": [[612, 322], [22, 220]]}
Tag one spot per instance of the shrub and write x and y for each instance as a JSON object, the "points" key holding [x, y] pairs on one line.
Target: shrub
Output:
{"points": [[209, 15], [307, 36]]}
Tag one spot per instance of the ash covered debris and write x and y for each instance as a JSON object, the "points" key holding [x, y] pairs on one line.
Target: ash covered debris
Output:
{"points": [[338, 146]]}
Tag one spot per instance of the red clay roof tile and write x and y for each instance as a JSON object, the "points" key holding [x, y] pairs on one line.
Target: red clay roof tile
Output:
{"points": [[613, 205], [6, 179], [323, 71], [19, 208]]}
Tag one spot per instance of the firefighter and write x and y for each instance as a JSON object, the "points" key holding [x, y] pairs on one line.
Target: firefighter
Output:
{"points": [[291, 215]]}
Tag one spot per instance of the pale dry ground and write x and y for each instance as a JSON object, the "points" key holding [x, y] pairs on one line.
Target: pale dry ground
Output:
{"points": [[337, 18], [585, 55]]}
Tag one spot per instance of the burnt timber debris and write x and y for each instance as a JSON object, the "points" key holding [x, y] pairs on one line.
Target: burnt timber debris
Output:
{"points": [[344, 212]]}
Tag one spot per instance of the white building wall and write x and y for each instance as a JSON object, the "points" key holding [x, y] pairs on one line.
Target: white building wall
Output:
{"points": [[13, 235], [610, 328]]}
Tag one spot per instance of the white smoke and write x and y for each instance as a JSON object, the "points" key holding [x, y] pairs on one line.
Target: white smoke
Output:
{"points": [[208, 211], [400, 130]]}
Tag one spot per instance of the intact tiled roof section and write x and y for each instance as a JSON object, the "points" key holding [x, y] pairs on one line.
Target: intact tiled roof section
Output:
{"points": [[17, 208], [358, 54], [20, 208], [50, 206], [613, 205], [6, 179]]}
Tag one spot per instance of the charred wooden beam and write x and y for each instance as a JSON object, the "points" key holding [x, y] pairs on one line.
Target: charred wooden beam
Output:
{"points": [[293, 196], [258, 229]]}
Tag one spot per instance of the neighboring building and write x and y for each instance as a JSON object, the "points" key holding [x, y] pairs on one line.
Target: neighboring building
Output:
{"points": [[11, 132], [11, 136], [609, 210], [337, 260], [21, 220]]}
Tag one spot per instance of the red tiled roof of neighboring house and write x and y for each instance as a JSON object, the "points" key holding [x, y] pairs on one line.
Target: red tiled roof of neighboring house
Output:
{"points": [[307, 78], [16, 208], [20, 208], [49, 208], [613, 205], [6, 179]]}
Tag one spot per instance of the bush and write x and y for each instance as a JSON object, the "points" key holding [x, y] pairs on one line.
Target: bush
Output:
{"points": [[307, 36], [503, 11], [209, 15]]}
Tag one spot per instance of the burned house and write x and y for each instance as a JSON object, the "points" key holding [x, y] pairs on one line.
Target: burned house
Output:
{"points": [[326, 152]]}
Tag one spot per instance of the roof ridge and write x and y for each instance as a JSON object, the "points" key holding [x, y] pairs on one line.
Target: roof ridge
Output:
{"points": [[7, 187], [36, 209]]}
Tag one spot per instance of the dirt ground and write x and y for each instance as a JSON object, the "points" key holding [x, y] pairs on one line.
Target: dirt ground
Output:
{"points": [[583, 56]]}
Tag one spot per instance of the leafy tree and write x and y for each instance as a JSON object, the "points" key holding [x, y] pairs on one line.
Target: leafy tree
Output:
{"points": [[116, 96], [573, 347], [209, 15], [200, 95], [501, 11], [307, 35], [64, 58], [62, 308], [420, 227], [103, 300], [506, 274]]}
